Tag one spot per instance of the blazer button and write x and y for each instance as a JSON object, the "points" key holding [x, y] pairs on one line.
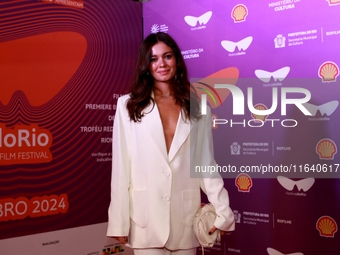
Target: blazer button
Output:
{"points": [[166, 198], [167, 173]]}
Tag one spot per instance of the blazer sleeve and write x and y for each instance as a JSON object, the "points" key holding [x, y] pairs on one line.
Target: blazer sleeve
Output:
{"points": [[213, 184], [119, 216]]}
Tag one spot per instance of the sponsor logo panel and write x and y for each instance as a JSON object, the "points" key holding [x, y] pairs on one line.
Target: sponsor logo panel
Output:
{"points": [[243, 182], [326, 226], [326, 148], [239, 13]]}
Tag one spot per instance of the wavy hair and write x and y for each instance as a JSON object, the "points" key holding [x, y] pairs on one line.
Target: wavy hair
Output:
{"points": [[142, 82]]}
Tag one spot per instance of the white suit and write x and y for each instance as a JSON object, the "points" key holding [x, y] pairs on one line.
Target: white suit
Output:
{"points": [[153, 198]]}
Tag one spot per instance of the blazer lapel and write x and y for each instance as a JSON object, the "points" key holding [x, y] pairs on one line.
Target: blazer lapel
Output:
{"points": [[154, 127], [181, 134]]}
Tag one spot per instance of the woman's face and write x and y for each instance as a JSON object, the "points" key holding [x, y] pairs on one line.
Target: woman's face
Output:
{"points": [[163, 63]]}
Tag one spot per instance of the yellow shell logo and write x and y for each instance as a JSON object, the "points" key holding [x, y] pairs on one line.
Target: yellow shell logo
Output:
{"points": [[259, 118], [243, 182], [326, 226], [334, 2], [239, 13], [328, 71], [326, 149]]}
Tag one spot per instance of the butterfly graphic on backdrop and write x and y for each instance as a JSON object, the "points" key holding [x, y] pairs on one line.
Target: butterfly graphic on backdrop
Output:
{"points": [[202, 20], [271, 251], [278, 75], [39, 66], [288, 184], [327, 108], [230, 46]]}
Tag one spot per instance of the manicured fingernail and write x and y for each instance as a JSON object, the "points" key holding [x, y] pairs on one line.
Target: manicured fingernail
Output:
{"points": [[210, 233]]}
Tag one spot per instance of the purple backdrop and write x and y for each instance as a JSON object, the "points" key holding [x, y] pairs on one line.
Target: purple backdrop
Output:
{"points": [[279, 46]]}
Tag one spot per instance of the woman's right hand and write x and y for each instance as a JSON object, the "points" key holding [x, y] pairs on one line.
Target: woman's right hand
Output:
{"points": [[121, 239]]}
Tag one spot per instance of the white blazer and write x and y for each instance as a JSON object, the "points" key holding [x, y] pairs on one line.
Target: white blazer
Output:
{"points": [[153, 197]]}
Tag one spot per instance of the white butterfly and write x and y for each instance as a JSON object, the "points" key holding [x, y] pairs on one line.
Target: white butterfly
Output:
{"points": [[278, 75], [288, 184], [327, 108], [203, 19], [271, 251], [241, 45]]}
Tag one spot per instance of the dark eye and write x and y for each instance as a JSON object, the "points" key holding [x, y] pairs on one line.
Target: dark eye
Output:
{"points": [[153, 59], [169, 56]]}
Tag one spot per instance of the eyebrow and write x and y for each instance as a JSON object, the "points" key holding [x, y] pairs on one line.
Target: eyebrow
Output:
{"points": [[164, 53]]}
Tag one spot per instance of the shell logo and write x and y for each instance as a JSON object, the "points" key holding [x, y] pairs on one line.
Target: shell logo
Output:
{"points": [[326, 226], [326, 149], [333, 2], [328, 71], [239, 13], [243, 182], [260, 107]]}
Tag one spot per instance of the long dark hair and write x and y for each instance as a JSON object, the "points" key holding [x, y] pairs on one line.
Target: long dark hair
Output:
{"points": [[142, 82]]}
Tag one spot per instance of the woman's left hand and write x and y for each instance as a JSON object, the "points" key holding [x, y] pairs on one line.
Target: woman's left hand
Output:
{"points": [[222, 232]]}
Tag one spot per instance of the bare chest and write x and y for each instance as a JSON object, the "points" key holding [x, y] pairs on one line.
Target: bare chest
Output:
{"points": [[169, 114]]}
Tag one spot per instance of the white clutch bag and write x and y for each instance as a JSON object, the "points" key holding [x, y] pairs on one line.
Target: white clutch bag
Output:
{"points": [[203, 222]]}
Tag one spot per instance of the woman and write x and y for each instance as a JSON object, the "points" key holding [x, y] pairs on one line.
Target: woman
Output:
{"points": [[153, 197]]}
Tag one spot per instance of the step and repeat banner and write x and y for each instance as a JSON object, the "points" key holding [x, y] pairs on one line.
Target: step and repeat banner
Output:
{"points": [[63, 64], [269, 70]]}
